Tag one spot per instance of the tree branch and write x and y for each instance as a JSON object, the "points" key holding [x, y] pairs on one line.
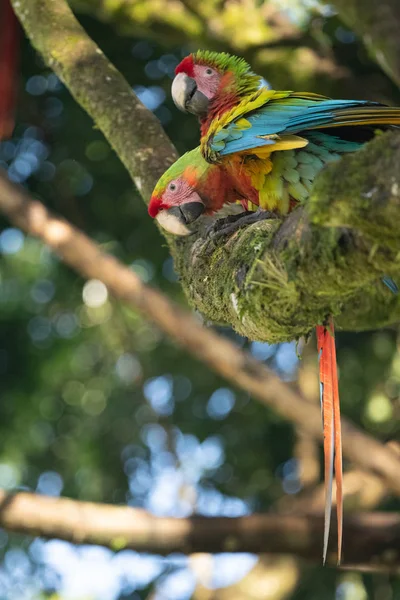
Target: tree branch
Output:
{"points": [[225, 358], [371, 539], [378, 23], [132, 130], [274, 282]]}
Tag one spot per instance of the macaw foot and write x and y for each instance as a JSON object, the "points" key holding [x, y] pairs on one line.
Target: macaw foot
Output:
{"points": [[219, 224], [233, 223]]}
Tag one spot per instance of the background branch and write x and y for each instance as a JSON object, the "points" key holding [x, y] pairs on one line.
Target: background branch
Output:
{"points": [[372, 540], [378, 24]]}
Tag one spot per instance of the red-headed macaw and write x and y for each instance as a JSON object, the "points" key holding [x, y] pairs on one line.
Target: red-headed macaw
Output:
{"points": [[240, 116], [271, 145], [8, 62], [189, 188]]}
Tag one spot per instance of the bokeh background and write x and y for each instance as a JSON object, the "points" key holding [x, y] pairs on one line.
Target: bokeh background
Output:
{"points": [[96, 404]]}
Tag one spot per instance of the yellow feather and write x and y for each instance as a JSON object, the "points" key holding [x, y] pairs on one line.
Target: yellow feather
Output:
{"points": [[251, 206], [243, 123], [284, 142]]}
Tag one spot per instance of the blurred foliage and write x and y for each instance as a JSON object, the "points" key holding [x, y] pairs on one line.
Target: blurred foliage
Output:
{"points": [[95, 403]]}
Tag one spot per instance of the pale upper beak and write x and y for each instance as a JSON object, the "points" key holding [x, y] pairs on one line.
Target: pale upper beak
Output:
{"points": [[175, 219], [187, 97]]}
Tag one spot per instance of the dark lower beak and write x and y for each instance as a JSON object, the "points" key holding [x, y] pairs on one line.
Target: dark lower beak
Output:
{"points": [[187, 213], [187, 97]]}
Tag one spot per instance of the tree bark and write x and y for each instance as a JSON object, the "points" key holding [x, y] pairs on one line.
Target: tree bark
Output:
{"points": [[371, 539], [132, 130]]}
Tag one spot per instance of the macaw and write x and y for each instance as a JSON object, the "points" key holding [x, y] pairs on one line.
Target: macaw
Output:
{"points": [[189, 188], [9, 30], [271, 145]]}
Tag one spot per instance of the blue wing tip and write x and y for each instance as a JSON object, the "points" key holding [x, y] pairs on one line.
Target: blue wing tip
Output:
{"points": [[390, 284]]}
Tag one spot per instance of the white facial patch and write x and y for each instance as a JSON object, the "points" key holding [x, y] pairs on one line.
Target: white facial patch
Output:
{"points": [[179, 90], [171, 223]]}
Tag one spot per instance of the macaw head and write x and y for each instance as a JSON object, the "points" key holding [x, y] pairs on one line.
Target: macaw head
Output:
{"points": [[176, 201], [203, 75]]}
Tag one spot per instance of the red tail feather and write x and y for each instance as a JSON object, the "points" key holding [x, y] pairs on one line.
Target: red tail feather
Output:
{"points": [[338, 444], [8, 64], [331, 426]]}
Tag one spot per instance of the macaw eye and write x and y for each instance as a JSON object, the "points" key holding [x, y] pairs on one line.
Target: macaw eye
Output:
{"points": [[172, 187], [209, 71]]}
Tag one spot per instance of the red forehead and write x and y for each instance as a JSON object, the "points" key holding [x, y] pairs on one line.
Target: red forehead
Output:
{"points": [[154, 207], [186, 66]]}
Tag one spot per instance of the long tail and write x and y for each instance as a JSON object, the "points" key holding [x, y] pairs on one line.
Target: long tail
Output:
{"points": [[9, 34], [330, 405]]}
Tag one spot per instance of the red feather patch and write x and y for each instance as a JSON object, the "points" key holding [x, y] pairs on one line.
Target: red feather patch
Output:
{"points": [[8, 66], [155, 206], [186, 66]]}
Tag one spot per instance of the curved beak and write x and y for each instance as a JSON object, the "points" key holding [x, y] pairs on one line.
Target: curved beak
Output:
{"points": [[175, 219], [187, 97]]}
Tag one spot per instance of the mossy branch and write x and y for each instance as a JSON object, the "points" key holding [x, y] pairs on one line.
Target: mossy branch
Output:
{"points": [[274, 281]]}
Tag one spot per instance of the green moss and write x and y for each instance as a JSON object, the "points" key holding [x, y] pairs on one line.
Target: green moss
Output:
{"points": [[362, 192]]}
